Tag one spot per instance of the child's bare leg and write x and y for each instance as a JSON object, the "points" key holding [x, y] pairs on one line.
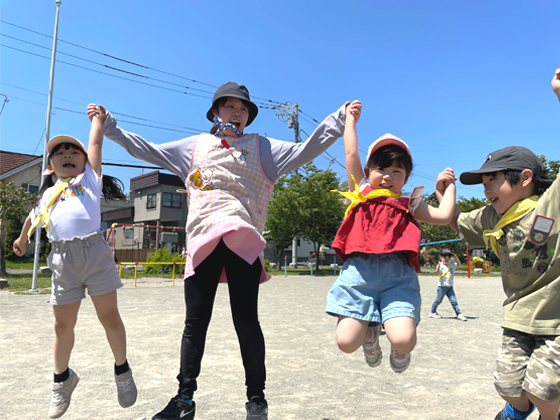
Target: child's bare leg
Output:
{"points": [[519, 403], [110, 318], [547, 409], [401, 332], [350, 333], [65, 317]]}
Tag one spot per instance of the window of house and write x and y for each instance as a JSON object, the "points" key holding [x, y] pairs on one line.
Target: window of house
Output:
{"points": [[151, 201], [32, 188], [171, 200], [128, 232]]}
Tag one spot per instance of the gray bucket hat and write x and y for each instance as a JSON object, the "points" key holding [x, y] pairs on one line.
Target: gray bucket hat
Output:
{"points": [[232, 89]]}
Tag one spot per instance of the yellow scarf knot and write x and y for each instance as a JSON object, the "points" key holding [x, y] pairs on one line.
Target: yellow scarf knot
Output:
{"points": [[45, 215], [358, 198], [515, 212]]}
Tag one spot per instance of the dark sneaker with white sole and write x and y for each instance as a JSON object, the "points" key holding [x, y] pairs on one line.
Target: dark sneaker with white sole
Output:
{"points": [[257, 409], [177, 409]]}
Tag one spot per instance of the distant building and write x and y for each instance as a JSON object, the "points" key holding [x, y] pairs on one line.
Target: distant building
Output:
{"points": [[156, 202]]}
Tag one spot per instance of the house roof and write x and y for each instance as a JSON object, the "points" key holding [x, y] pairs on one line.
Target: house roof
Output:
{"points": [[155, 178], [11, 162]]}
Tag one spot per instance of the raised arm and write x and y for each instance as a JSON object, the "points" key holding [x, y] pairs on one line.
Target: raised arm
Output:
{"points": [[97, 115], [280, 157], [556, 83], [351, 151], [457, 260], [444, 214], [174, 156], [438, 268], [443, 180]]}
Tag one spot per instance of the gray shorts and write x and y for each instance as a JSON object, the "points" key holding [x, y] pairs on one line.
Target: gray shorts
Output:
{"points": [[81, 263], [530, 363]]}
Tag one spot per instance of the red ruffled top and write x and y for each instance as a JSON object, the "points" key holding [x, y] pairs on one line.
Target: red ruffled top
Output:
{"points": [[379, 226]]}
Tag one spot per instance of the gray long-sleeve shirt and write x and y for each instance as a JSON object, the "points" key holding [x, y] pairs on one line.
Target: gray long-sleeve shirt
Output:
{"points": [[277, 157]]}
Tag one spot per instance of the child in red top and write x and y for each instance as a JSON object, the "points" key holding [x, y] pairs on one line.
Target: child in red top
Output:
{"points": [[379, 241]]}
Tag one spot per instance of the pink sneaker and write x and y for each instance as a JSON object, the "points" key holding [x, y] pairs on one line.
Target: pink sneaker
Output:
{"points": [[399, 361], [371, 348]]}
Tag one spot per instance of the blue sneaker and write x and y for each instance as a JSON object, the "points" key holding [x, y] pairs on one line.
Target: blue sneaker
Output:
{"points": [[510, 413]]}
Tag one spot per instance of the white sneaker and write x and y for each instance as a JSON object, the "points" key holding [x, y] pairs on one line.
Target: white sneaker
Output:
{"points": [[434, 315], [61, 394], [462, 317], [399, 361], [126, 389], [372, 351]]}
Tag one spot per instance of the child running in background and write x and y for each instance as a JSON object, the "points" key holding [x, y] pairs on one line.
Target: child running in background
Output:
{"points": [[379, 241], [229, 175], [446, 272], [80, 257], [521, 223]]}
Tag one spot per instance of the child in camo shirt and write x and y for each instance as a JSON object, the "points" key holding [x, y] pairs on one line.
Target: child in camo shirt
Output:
{"points": [[521, 224]]}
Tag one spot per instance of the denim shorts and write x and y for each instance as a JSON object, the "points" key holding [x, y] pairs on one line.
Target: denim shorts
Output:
{"points": [[79, 264], [376, 287]]}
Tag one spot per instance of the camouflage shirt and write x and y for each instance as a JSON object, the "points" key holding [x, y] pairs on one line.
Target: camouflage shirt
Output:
{"points": [[530, 273]]}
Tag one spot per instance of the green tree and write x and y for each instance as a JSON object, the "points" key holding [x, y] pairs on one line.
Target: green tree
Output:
{"points": [[323, 210], [302, 204], [284, 212], [14, 205], [552, 166]]}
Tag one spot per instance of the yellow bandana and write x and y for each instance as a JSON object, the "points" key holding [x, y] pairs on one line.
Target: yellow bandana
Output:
{"points": [[357, 197], [515, 212], [45, 215]]}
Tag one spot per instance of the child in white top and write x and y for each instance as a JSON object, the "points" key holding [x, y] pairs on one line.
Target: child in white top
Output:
{"points": [[80, 258], [446, 272]]}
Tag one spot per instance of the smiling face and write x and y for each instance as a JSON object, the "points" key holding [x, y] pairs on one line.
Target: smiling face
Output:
{"points": [[392, 178], [233, 110], [502, 194], [66, 160]]}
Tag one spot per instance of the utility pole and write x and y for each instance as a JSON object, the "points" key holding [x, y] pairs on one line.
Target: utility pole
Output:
{"points": [[47, 134], [289, 113]]}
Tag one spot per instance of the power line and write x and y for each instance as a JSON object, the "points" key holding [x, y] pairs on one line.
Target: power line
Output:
{"points": [[195, 130], [127, 61]]}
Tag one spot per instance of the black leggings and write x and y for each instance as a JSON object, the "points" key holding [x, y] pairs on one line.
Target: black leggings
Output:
{"points": [[200, 292]]}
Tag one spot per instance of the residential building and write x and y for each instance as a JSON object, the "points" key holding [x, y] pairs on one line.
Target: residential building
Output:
{"points": [[158, 216]]}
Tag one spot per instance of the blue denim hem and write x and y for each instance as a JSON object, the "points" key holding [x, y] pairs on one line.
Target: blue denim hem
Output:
{"points": [[333, 311]]}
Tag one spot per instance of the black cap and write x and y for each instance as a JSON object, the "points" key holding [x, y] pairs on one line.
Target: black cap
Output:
{"points": [[517, 158], [232, 89], [446, 251]]}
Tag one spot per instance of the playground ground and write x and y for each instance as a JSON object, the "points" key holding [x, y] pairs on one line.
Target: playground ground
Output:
{"points": [[308, 377]]}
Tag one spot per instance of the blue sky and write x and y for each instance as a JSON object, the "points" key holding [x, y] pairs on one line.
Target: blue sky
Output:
{"points": [[454, 79]]}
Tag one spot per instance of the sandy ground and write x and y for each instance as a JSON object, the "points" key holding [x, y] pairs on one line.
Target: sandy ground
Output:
{"points": [[308, 377]]}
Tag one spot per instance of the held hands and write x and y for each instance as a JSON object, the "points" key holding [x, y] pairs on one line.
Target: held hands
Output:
{"points": [[444, 179], [96, 111], [556, 83], [353, 111]]}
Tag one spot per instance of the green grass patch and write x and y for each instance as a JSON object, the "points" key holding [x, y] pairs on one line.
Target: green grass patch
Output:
{"points": [[28, 265], [20, 283]]}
